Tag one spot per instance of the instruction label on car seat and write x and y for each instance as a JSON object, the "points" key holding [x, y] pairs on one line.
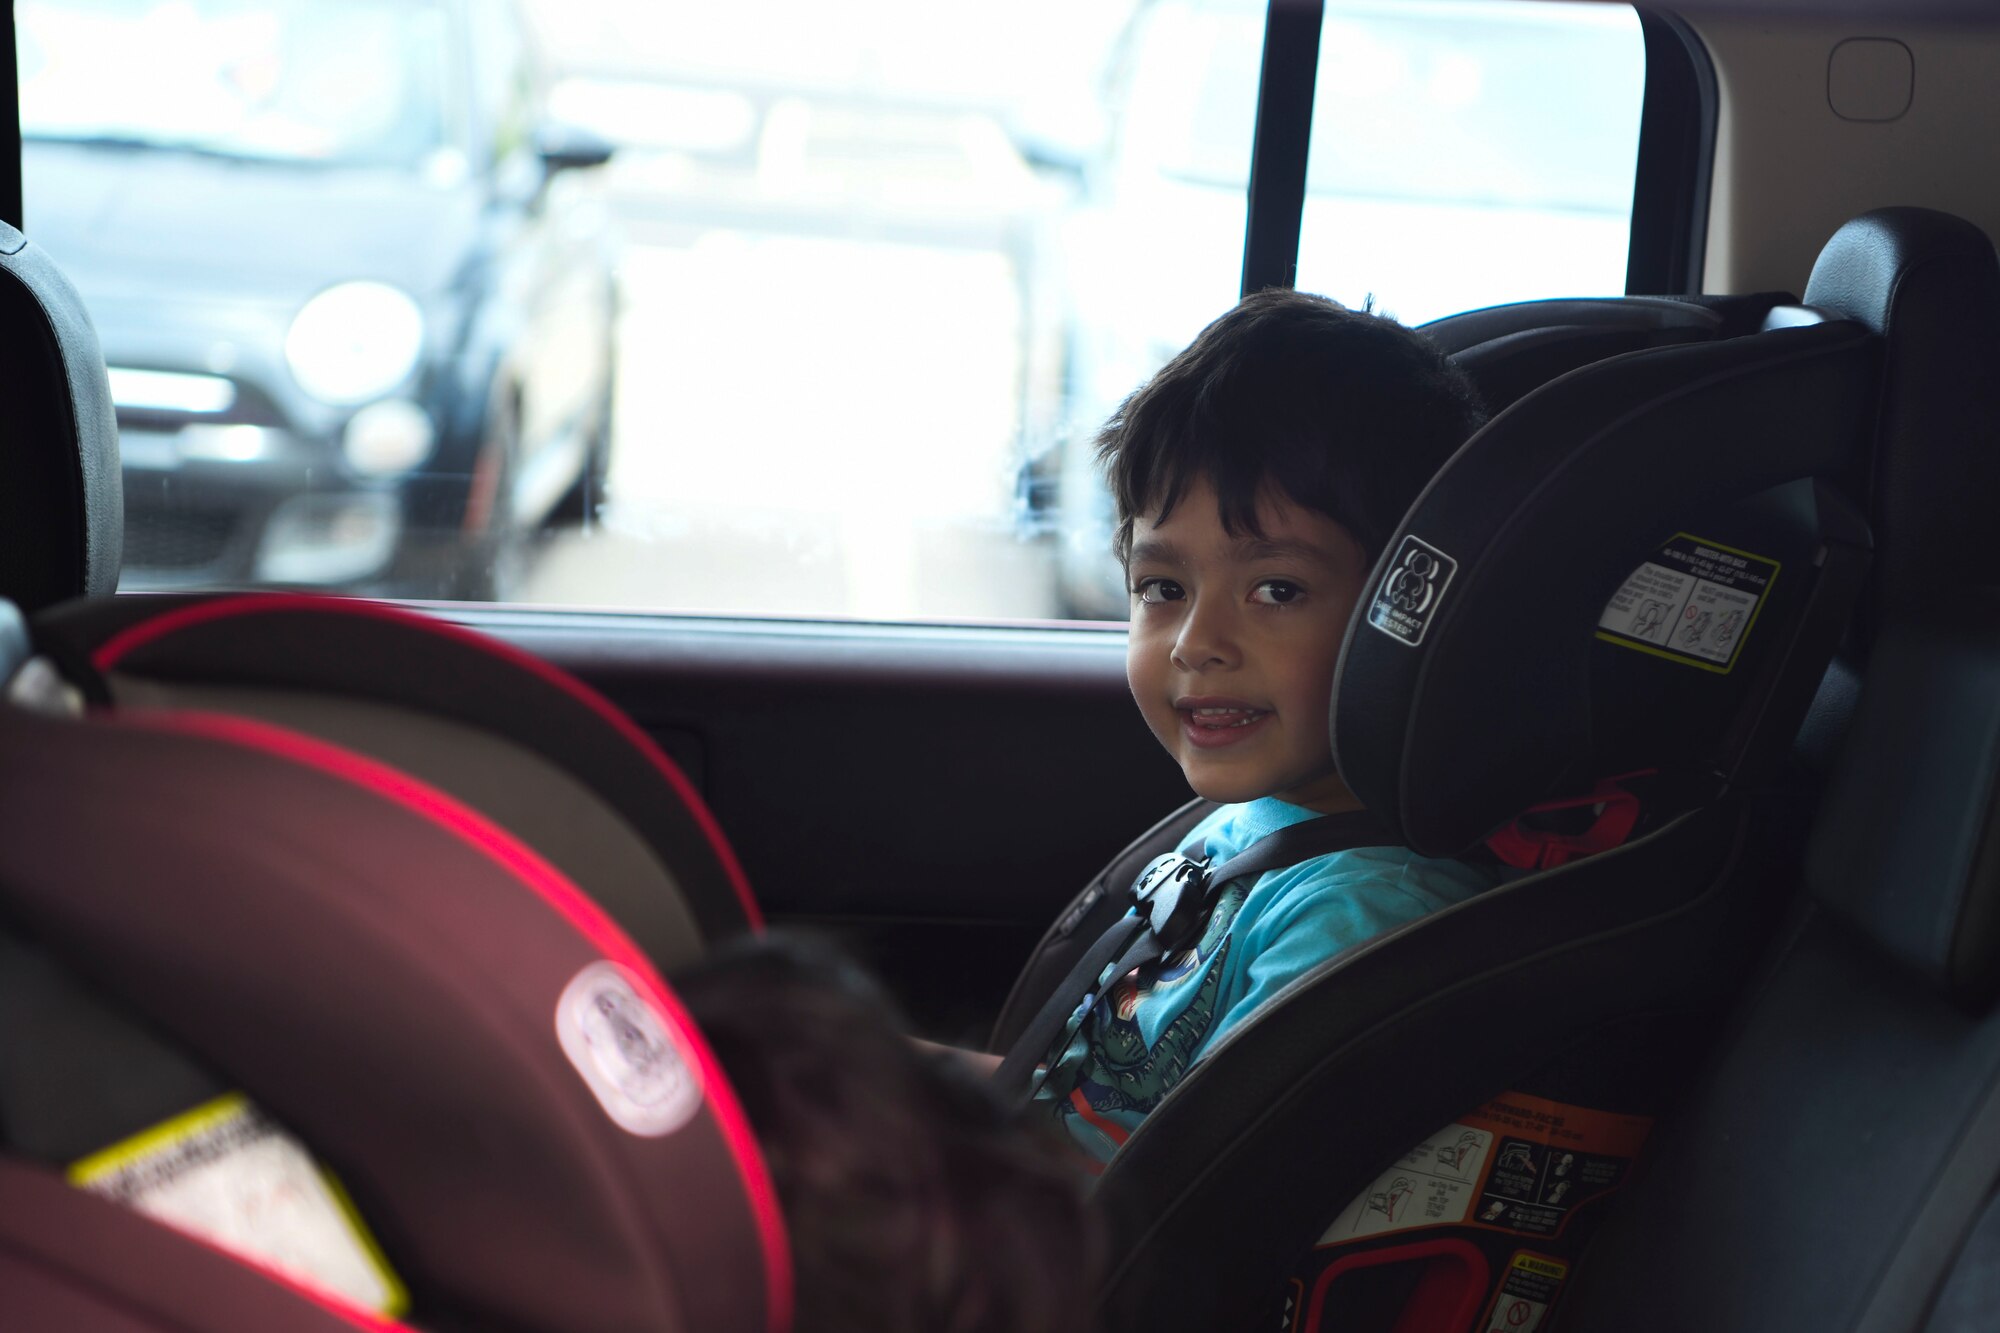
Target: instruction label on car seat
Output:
{"points": [[1503, 1185], [225, 1173], [1695, 602]]}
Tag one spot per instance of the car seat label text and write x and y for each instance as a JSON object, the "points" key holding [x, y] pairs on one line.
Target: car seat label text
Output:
{"points": [[1511, 1180], [226, 1173], [1694, 602], [1411, 591]]}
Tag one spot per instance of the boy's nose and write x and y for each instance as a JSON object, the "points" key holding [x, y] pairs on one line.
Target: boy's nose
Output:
{"points": [[1205, 640]]}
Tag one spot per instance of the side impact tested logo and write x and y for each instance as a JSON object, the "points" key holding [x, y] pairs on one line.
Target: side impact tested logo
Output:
{"points": [[1411, 591], [622, 1047]]}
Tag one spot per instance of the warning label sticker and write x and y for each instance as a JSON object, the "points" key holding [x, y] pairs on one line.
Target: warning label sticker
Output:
{"points": [[1695, 601], [1527, 1289], [228, 1174], [1517, 1184]]}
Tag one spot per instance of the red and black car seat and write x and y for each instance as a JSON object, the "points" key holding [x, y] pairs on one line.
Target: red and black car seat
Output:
{"points": [[490, 1066], [1570, 1004], [527, 745]]}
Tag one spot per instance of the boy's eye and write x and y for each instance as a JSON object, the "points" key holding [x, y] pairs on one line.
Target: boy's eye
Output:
{"points": [[1277, 592], [1155, 591]]}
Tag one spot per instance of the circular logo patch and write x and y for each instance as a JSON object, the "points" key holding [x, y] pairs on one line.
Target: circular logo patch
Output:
{"points": [[623, 1048]]}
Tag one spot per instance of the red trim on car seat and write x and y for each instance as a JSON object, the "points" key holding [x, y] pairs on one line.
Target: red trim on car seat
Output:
{"points": [[1443, 1298], [575, 907], [123, 643]]}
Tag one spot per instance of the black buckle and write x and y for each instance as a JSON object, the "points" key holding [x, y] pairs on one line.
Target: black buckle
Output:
{"points": [[1173, 894]]}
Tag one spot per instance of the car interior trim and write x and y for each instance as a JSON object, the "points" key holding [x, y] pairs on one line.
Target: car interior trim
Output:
{"points": [[1281, 143], [1676, 160]]}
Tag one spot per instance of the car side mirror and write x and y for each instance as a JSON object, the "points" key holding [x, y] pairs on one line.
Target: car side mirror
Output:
{"points": [[565, 147]]}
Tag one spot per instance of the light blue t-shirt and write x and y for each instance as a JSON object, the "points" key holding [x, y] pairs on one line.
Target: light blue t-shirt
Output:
{"points": [[1147, 1028]]}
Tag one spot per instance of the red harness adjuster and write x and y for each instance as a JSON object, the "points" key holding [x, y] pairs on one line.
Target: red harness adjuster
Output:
{"points": [[1617, 811]]}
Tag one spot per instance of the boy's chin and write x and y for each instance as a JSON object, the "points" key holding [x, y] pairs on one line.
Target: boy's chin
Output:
{"points": [[1321, 791], [1226, 788]]}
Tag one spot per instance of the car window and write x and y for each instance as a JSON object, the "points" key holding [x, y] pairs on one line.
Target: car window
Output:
{"points": [[289, 80], [805, 308], [1466, 155]]}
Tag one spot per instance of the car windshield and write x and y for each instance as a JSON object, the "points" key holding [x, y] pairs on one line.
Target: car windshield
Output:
{"points": [[349, 81]]}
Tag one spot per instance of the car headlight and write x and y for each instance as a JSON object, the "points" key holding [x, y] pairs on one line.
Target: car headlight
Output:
{"points": [[354, 341]]}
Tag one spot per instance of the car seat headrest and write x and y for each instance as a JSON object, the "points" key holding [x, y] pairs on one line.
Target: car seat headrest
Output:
{"points": [[1510, 350], [1929, 283], [510, 1092], [1906, 846], [527, 744], [1610, 577], [62, 508]]}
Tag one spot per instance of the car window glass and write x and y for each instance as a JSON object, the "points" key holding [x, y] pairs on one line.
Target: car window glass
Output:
{"points": [[798, 307], [503, 80], [1466, 155]]}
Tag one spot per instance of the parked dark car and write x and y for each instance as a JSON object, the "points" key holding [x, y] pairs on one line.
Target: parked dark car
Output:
{"points": [[357, 303]]}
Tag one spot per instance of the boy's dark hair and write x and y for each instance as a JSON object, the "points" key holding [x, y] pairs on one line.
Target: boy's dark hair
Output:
{"points": [[916, 1201], [1345, 412]]}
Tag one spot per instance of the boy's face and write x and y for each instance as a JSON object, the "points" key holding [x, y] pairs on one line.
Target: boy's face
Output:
{"points": [[1233, 644]]}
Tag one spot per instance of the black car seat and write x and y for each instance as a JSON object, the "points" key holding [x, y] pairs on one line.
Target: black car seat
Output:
{"points": [[525, 743], [489, 1065], [1588, 988], [1575, 991], [1837, 1165], [62, 513]]}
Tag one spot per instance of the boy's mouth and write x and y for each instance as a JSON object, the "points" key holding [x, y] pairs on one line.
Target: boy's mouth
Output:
{"points": [[1211, 726]]}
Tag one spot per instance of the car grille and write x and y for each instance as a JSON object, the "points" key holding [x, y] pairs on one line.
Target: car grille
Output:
{"points": [[176, 538]]}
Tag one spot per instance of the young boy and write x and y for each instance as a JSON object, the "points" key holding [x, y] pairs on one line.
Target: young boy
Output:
{"points": [[1257, 477]]}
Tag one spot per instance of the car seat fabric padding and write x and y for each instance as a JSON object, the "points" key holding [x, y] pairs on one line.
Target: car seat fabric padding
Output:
{"points": [[566, 823], [378, 967], [1907, 847], [71, 1262], [62, 509], [342, 646]]}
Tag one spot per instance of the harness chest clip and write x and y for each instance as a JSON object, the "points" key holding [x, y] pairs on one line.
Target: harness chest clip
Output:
{"points": [[1173, 895]]}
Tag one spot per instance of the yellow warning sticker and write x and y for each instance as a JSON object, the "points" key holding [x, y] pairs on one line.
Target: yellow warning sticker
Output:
{"points": [[1694, 602], [226, 1173]]}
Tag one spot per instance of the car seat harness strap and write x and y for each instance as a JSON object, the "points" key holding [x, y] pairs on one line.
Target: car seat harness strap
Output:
{"points": [[1171, 903]]}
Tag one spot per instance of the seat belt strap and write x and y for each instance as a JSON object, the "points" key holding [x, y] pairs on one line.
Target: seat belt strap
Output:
{"points": [[1040, 1034], [1172, 900]]}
